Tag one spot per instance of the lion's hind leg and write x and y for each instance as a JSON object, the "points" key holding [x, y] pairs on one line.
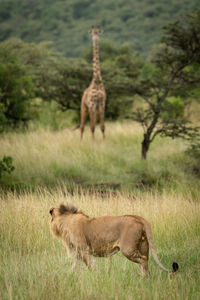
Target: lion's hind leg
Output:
{"points": [[136, 248], [144, 251], [143, 262], [137, 257]]}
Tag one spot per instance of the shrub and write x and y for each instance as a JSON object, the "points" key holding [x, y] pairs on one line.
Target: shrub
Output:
{"points": [[6, 165]]}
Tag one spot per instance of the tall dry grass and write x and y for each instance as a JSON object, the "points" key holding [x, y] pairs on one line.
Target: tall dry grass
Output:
{"points": [[34, 264]]}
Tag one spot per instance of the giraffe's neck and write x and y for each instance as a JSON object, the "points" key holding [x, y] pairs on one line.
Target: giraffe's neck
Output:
{"points": [[96, 64]]}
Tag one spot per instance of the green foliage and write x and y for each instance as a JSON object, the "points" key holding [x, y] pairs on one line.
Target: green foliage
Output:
{"points": [[15, 90], [39, 63], [120, 72], [193, 153], [73, 76], [49, 115], [66, 23], [173, 109], [3, 120], [194, 150], [6, 165]]}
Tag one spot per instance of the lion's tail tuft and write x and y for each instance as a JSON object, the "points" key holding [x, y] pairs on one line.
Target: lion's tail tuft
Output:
{"points": [[174, 267], [149, 234]]}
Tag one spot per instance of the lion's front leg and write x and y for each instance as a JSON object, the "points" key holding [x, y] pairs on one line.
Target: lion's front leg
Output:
{"points": [[81, 254], [74, 265], [82, 250], [72, 254], [87, 259]]}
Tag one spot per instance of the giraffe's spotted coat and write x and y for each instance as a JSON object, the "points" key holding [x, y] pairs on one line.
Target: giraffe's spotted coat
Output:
{"points": [[94, 97]]}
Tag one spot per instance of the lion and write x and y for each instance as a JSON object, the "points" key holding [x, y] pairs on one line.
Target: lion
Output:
{"points": [[86, 237]]}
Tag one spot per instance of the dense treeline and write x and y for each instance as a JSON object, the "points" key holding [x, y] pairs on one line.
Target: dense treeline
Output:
{"points": [[66, 23]]}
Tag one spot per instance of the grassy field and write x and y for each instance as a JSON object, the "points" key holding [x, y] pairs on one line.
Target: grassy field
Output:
{"points": [[103, 178], [49, 158]]}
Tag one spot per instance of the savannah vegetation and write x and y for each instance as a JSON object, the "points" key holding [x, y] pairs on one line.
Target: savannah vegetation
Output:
{"points": [[43, 163], [32, 75]]}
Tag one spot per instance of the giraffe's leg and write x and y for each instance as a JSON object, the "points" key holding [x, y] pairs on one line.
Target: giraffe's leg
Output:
{"points": [[93, 119], [83, 118], [102, 126]]}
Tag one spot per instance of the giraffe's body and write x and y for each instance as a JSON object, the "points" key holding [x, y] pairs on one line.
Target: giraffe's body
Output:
{"points": [[94, 97]]}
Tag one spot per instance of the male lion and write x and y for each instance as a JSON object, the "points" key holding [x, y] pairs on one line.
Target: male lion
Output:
{"points": [[85, 237]]}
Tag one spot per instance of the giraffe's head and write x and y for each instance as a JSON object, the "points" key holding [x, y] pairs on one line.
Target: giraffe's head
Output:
{"points": [[95, 33]]}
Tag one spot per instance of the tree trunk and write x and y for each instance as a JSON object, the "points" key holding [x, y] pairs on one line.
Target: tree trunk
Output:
{"points": [[145, 146]]}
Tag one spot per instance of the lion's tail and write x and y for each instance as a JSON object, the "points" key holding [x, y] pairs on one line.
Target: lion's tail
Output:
{"points": [[150, 239]]}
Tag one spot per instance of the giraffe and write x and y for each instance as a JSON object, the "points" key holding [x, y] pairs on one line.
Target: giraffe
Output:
{"points": [[94, 97]]}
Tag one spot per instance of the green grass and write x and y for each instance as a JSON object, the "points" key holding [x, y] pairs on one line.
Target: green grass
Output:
{"points": [[47, 158], [101, 178]]}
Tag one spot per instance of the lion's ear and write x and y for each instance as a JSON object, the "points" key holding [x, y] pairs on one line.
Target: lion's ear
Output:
{"points": [[51, 211]]}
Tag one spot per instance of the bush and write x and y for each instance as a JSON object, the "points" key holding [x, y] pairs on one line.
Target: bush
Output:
{"points": [[6, 165]]}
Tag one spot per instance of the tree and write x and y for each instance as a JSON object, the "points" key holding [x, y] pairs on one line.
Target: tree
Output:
{"points": [[15, 91], [73, 76], [6, 165], [167, 80], [39, 62]]}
